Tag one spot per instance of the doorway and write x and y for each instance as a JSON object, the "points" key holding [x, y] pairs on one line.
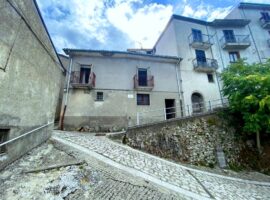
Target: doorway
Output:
{"points": [[197, 102], [170, 108], [142, 76], [85, 75]]}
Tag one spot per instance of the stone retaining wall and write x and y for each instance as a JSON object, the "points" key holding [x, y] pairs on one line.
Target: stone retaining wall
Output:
{"points": [[192, 140]]}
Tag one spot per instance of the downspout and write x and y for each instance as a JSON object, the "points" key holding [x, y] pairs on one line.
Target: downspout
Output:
{"points": [[258, 54], [223, 67], [66, 97], [179, 85]]}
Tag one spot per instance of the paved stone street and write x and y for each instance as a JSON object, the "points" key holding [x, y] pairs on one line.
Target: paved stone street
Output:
{"points": [[186, 181]]}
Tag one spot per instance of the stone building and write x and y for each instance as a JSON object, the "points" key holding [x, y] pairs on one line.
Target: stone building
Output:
{"points": [[30, 78]]}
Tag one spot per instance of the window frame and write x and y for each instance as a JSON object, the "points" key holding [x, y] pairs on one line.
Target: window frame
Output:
{"points": [[212, 79], [4, 134], [233, 53], [144, 101], [98, 94]]}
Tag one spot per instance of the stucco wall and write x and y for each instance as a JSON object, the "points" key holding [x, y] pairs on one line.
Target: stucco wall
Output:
{"points": [[29, 78], [114, 77]]}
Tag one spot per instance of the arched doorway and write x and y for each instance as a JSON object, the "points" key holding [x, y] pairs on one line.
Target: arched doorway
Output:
{"points": [[197, 102]]}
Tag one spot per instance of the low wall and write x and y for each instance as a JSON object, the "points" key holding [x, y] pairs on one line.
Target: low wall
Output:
{"points": [[193, 140], [21, 146]]}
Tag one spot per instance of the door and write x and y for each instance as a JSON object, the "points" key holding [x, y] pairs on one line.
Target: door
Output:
{"points": [[201, 58], [197, 35], [170, 108], [85, 75], [229, 36], [142, 76], [197, 102]]}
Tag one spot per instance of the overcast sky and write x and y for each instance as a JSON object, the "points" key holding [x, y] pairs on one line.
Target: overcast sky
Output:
{"points": [[121, 24]]}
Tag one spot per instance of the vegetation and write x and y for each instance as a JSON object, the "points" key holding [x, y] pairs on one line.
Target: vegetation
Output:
{"points": [[247, 87]]}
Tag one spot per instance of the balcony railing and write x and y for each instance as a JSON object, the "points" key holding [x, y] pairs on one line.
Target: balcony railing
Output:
{"points": [[235, 42], [147, 87], [209, 65], [265, 23], [200, 41], [77, 80]]}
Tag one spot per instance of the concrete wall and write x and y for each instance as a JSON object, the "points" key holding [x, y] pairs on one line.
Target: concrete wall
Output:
{"points": [[177, 34], [114, 77], [29, 78]]}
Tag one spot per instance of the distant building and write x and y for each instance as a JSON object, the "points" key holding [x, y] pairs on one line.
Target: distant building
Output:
{"points": [[30, 79]]}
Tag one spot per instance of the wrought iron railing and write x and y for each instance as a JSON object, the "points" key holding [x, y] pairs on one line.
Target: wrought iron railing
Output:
{"points": [[264, 21], [79, 79], [203, 38], [205, 63], [236, 39], [199, 108], [149, 82]]}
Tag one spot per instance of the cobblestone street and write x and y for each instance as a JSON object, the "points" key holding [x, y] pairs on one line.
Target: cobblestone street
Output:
{"points": [[181, 179]]}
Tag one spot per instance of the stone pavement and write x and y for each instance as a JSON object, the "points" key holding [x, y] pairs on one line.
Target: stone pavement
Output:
{"points": [[186, 181]]}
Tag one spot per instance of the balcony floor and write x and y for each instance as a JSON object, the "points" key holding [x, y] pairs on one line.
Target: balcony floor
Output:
{"points": [[231, 46]]}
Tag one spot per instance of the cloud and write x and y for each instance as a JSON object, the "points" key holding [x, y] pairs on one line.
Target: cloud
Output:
{"points": [[104, 24], [205, 12]]}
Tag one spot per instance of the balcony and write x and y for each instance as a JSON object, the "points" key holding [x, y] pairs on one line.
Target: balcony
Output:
{"points": [[200, 42], [265, 22], [143, 85], [209, 65], [77, 80], [235, 42]]}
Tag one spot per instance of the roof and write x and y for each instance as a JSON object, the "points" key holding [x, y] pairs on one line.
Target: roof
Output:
{"points": [[229, 22], [111, 53], [259, 6]]}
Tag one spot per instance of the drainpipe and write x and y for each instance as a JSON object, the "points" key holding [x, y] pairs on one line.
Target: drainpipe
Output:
{"points": [[255, 45], [179, 84], [223, 66], [66, 97]]}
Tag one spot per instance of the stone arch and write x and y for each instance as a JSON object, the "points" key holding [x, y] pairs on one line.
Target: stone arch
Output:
{"points": [[197, 102]]}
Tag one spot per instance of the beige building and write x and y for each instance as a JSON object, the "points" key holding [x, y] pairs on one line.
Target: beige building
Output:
{"points": [[109, 88], [30, 79]]}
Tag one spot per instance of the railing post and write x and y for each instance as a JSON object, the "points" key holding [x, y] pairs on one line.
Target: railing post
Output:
{"points": [[164, 111], [138, 118], [210, 106], [188, 110]]}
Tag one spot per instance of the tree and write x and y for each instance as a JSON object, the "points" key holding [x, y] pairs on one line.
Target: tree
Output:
{"points": [[247, 87]]}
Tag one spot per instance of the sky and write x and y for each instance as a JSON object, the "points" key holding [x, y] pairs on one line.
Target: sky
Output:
{"points": [[122, 24]]}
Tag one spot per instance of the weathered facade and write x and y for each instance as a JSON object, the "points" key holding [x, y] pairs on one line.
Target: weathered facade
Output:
{"points": [[207, 48], [30, 74], [108, 88]]}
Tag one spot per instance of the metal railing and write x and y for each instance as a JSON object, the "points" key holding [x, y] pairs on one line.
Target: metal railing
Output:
{"points": [[203, 38], [235, 39], [207, 63], [25, 134], [264, 21], [178, 112], [77, 78], [149, 82]]}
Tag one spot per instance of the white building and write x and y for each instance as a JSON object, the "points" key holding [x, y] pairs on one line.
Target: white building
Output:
{"points": [[185, 63]]}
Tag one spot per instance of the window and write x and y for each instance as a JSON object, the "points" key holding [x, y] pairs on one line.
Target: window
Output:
{"points": [[197, 35], [142, 76], [99, 96], [229, 36], [210, 78], [85, 74], [265, 16], [200, 56], [234, 56], [3, 138], [143, 99]]}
